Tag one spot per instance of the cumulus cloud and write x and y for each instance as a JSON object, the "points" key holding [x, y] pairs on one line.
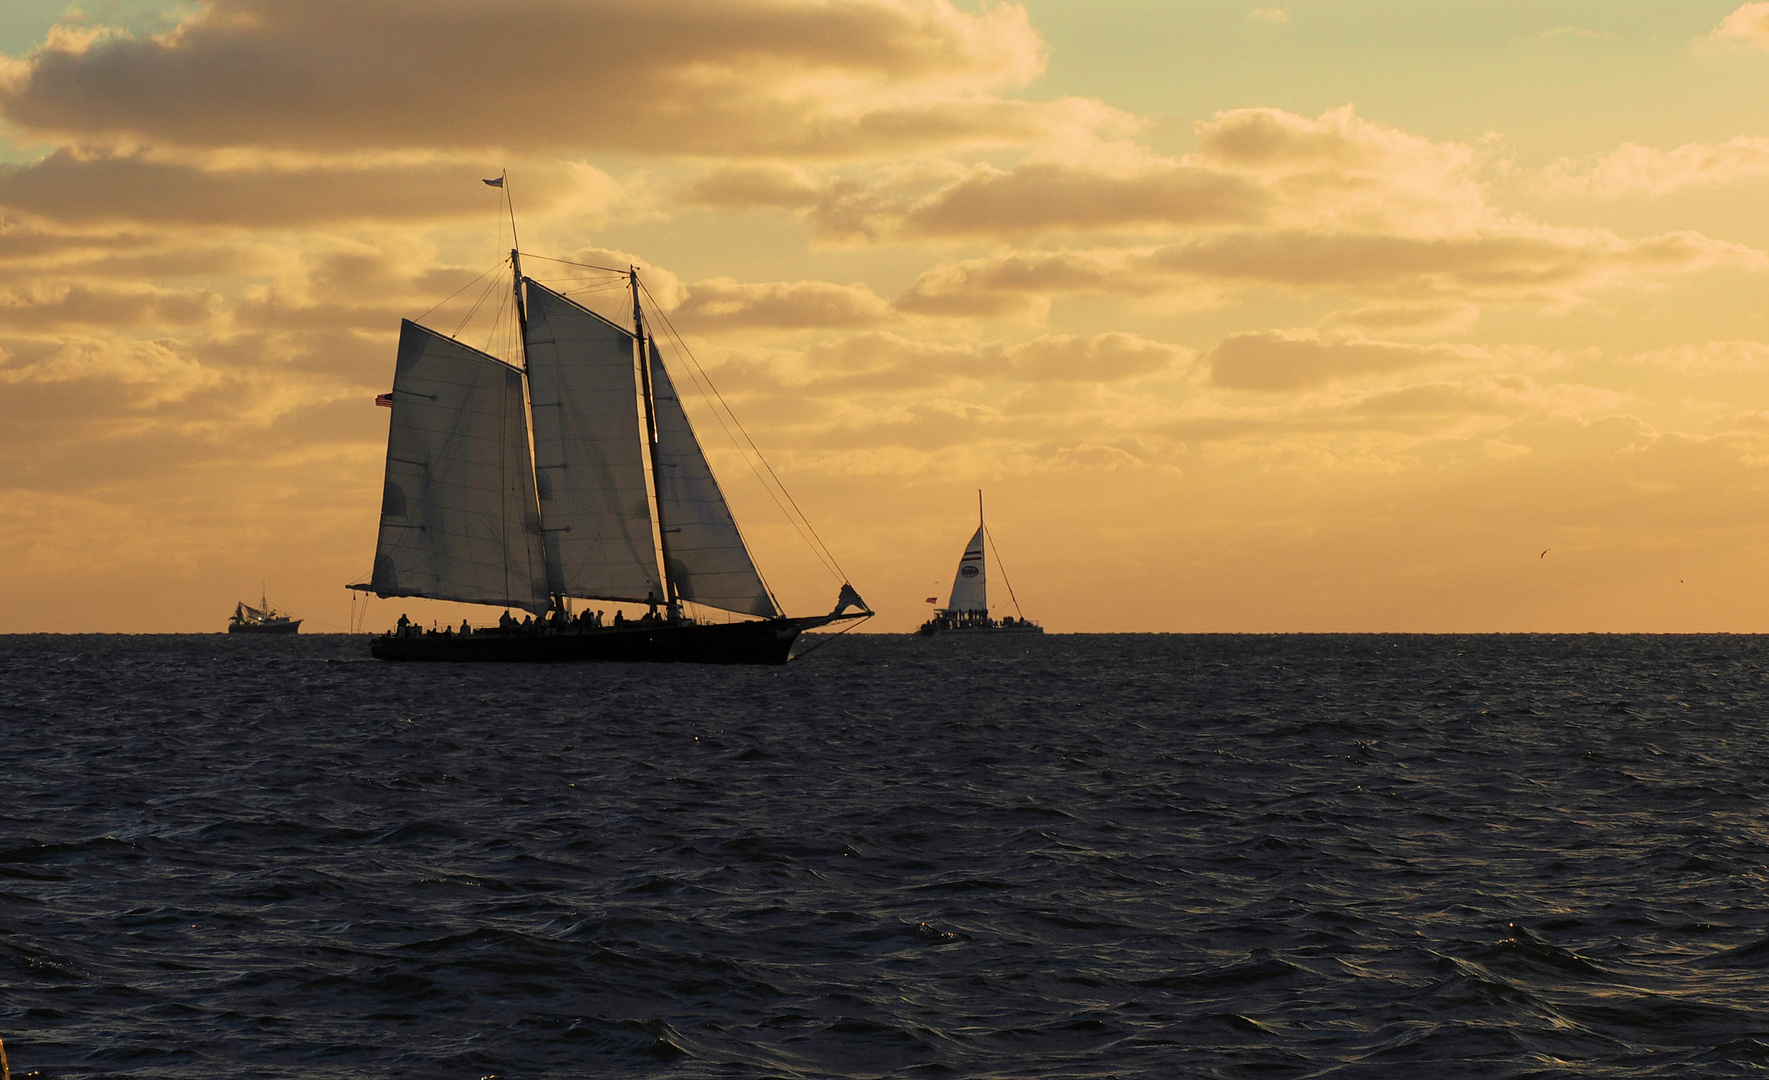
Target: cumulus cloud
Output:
{"points": [[1631, 169], [1748, 25], [817, 77]]}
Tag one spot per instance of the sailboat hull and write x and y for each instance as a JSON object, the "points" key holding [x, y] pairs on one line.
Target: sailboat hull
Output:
{"points": [[766, 642]]}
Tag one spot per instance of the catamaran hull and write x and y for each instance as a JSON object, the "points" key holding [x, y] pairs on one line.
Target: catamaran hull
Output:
{"points": [[766, 642], [985, 631]]}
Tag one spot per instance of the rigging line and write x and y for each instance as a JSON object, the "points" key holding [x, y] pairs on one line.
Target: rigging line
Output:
{"points": [[568, 262], [474, 309], [680, 341], [1003, 568], [457, 292], [497, 324], [811, 541]]}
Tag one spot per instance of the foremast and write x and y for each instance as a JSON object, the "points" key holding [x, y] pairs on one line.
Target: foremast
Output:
{"points": [[671, 597]]}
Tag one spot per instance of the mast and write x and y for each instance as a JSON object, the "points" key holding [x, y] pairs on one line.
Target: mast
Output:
{"points": [[663, 538], [521, 308], [503, 184]]}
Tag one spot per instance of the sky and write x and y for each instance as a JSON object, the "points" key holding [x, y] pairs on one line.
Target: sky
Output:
{"points": [[1329, 315]]}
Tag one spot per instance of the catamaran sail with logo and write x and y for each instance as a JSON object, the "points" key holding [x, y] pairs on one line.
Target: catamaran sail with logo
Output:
{"points": [[597, 511], [968, 609]]}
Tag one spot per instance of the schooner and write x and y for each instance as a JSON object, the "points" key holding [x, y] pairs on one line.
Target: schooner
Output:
{"points": [[527, 487]]}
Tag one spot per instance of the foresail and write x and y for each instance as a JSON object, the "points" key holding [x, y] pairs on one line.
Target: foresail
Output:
{"points": [[709, 563], [590, 468], [970, 590], [458, 514]]}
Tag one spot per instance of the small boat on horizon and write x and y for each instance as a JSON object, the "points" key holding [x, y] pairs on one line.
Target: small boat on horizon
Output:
{"points": [[967, 612], [262, 619]]}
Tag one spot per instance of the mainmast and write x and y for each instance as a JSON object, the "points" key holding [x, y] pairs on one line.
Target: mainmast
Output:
{"points": [[503, 183], [521, 308], [663, 537]]}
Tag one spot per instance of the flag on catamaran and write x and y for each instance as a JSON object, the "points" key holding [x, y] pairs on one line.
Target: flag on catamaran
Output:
{"points": [[384, 400], [499, 182], [933, 599]]}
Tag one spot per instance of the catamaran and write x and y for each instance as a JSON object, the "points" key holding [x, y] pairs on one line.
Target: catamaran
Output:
{"points": [[528, 487], [967, 612]]}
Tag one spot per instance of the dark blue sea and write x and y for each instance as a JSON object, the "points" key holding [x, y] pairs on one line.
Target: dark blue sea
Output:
{"points": [[1081, 856]]}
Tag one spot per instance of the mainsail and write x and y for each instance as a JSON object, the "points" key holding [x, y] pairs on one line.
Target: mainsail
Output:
{"points": [[459, 519], [970, 591], [589, 466], [708, 561]]}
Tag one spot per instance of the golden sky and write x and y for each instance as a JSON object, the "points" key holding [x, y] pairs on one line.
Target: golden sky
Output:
{"points": [[1330, 315]]}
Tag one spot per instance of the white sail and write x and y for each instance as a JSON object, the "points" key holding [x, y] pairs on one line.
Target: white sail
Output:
{"points": [[458, 514], [589, 463], [970, 590], [709, 563]]}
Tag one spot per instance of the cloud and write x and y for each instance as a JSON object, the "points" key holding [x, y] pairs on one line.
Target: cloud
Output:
{"points": [[1283, 360], [166, 372], [745, 186], [1426, 318], [1518, 264], [1631, 169], [722, 77], [1748, 25], [87, 189], [1253, 168], [724, 303], [1707, 358], [53, 306], [888, 363]]}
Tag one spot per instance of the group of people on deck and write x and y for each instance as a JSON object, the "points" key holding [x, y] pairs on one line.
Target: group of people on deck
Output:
{"points": [[553, 622]]}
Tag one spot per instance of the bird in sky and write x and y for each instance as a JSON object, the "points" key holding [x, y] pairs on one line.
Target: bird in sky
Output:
{"points": [[1544, 553]]}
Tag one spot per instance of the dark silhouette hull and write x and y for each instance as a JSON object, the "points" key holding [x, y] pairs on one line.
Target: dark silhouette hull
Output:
{"points": [[768, 641]]}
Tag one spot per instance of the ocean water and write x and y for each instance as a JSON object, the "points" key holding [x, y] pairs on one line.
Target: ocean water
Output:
{"points": [[1082, 856]]}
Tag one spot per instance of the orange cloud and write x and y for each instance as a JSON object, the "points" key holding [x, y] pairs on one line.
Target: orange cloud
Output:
{"points": [[694, 77]]}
